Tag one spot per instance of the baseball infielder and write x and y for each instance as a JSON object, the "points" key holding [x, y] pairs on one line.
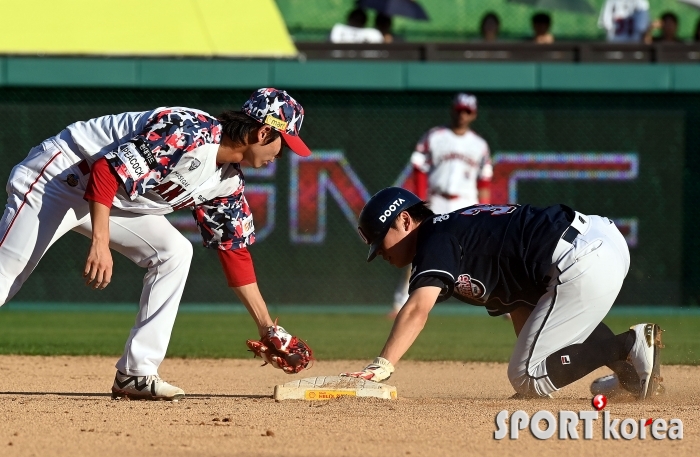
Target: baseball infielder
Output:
{"points": [[451, 169], [113, 178], [555, 270]]}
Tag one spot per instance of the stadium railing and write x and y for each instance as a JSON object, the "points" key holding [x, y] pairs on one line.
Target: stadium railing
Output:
{"points": [[503, 51]]}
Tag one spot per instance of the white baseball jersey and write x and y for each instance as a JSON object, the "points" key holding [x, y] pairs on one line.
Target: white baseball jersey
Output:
{"points": [[626, 21], [177, 180], [165, 160], [454, 163]]}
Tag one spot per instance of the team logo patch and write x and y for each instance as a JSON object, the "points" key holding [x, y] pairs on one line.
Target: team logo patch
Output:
{"points": [[248, 226], [72, 180], [276, 123], [469, 287], [194, 165], [396, 204], [145, 152], [565, 360]]}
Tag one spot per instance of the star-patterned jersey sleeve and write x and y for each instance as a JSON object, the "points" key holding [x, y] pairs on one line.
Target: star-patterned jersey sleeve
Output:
{"points": [[225, 223], [145, 160]]}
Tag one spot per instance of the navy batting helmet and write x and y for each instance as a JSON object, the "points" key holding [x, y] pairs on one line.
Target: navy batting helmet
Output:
{"points": [[379, 213]]}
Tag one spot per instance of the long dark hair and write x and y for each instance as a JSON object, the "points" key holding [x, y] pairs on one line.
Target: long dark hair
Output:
{"points": [[238, 126]]}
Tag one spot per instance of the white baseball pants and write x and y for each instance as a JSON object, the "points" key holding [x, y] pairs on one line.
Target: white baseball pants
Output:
{"points": [[42, 206], [587, 275]]}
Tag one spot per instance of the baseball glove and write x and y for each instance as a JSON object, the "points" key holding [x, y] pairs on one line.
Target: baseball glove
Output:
{"points": [[282, 350]]}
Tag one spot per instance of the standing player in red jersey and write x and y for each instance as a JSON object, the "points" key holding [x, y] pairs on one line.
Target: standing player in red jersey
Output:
{"points": [[451, 170], [113, 179]]}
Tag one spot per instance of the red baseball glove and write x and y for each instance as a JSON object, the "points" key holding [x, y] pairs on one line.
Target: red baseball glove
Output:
{"points": [[282, 350]]}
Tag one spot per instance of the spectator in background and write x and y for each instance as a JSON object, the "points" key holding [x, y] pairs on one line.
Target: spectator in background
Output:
{"points": [[696, 36], [490, 27], [354, 31], [382, 22], [669, 28], [541, 26], [626, 21]]}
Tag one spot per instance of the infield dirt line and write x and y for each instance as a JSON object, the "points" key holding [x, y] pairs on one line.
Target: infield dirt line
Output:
{"points": [[61, 406]]}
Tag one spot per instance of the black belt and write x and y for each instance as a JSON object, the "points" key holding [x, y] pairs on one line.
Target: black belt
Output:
{"points": [[84, 167], [570, 234]]}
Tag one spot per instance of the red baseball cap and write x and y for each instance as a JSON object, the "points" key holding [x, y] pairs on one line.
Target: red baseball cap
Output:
{"points": [[464, 101]]}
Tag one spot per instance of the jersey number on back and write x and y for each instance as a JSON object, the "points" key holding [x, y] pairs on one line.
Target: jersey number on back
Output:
{"points": [[495, 210]]}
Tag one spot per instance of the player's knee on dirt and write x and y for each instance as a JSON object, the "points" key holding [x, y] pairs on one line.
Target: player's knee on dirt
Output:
{"points": [[533, 384]]}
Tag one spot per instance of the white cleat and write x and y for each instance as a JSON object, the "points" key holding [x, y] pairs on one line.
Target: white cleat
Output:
{"points": [[644, 357], [144, 388]]}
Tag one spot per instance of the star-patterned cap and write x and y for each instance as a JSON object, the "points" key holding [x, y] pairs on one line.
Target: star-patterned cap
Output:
{"points": [[280, 111]]}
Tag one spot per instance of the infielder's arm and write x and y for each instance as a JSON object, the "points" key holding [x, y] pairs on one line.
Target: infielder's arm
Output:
{"points": [[100, 191], [240, 276], [409, 322], [252, 299], [98, 266]]}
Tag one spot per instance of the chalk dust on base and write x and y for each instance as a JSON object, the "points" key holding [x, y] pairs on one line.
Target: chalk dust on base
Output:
{"points": [[329, 387]]}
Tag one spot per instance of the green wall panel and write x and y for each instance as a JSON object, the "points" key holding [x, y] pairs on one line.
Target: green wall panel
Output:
{"points": [[686, 77], [65, 71], [339, 75], [605, 77], [190, 73], [475, 76]]}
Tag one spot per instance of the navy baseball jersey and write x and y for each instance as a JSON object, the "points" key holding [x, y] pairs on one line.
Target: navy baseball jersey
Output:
{"points": [[497, 256]]}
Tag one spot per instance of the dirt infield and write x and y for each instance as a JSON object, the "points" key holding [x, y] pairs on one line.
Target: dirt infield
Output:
{"points": [[59, 406]]}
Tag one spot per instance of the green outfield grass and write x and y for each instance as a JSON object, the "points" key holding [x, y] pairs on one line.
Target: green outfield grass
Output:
{"points": [[333, 336]]}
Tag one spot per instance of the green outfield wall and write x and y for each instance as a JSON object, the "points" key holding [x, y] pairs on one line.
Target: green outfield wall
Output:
{"points": [[135, 73], [570, 134]]}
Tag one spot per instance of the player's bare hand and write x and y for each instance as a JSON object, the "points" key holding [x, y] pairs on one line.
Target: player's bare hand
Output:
{"points": [[98, 266]]}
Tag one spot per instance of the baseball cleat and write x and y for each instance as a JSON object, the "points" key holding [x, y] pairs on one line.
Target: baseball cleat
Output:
{"points": [[644, 356], [144, 388]]}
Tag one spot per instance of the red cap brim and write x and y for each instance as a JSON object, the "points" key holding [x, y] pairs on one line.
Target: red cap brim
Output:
{"points": [[463, 108], [296, 145]]}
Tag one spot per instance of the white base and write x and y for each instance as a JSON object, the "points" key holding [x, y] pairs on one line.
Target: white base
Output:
{"points": [[329, 387]]}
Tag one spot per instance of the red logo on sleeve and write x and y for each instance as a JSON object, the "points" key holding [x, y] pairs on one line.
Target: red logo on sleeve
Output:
{"points": [[469, 287]]}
